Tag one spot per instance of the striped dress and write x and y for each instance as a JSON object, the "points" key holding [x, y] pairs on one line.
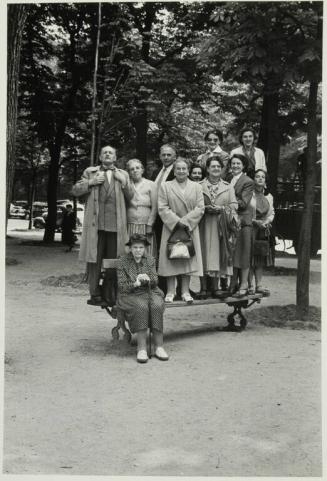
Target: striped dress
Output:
{"points": [[143, 306]]}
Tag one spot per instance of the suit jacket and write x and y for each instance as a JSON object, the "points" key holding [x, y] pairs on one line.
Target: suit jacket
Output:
{"points": [[154, 175], [244, 188]]}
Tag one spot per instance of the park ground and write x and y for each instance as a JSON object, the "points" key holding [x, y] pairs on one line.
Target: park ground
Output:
{"points": [[226, 404]]}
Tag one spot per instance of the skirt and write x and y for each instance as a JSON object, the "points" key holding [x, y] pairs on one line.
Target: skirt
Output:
{"points": [[243, 248], [143, 309], [263, 261], [151, 250]]}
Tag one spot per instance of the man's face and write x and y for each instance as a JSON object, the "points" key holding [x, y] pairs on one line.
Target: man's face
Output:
{"points": [[167, 156], [108, 156]]}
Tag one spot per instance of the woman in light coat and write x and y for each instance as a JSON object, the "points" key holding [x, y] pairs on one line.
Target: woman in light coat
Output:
{"points": [[262, 204], [219, 198], [180, 202], [255, 156], [142, 208]]}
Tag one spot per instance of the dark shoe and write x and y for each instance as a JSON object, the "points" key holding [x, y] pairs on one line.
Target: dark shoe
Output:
{"points": [[261, 290], [251, 291], [201, 295], [97, 301], [219, 294]]}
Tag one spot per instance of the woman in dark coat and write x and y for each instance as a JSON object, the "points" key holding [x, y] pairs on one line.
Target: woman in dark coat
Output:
{"points": [[244, 187], [140, 297]]}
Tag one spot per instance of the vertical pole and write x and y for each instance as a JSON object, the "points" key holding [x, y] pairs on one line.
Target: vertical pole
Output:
{"points": [[95, 87], [75, 200]]}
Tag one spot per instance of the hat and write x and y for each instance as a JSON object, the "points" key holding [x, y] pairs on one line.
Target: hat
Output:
{"points": [[136, 238]]}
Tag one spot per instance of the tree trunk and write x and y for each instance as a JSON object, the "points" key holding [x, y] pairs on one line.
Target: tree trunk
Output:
{"points": [[94, 100], [141, 127], [269, 136], [303, 272], [16, 19], [32, 197]]}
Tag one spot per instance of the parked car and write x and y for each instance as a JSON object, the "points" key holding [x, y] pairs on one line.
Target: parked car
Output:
{"points": [[18, 212]]}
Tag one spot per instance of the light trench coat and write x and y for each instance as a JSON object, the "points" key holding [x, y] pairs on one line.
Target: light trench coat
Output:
{"points": [[188, 208], [89, 240], [209, 233]]}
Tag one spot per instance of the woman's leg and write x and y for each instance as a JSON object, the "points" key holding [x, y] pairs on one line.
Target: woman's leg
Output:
{"points": [[244, 278], [258, 276], [141, 340], [185, 284], [171, 285], [157, 338]]}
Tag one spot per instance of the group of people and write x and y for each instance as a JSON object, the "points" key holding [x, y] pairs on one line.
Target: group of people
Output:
{"points": [[219, 201]]}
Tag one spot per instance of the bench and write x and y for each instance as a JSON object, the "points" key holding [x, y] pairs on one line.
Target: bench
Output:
{"points": [[236, 303]]}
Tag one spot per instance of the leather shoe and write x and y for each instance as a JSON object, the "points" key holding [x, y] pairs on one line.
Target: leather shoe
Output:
{"points": [[161, 354], [142, 356], [97, 301]]}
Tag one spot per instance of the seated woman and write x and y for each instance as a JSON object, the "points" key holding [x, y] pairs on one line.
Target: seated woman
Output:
{"points": [[219, 198], [243, 187], [142, 208], [262, 204], [255, 156], [196, 173], [180, 204], [140, 298]]}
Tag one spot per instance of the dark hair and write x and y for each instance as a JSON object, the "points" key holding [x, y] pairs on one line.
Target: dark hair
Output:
{"points": [[266, 190], [215, 132], [261, 170], [218, 159], [243, 159], [136, 239], [197, 166], [246, 129]]}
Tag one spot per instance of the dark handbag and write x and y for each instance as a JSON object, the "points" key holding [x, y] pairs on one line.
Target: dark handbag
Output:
{"points": [[180, 244]]}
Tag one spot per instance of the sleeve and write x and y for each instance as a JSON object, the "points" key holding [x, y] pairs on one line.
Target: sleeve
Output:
{"points": [[246, 195], [168, 217], [193, 217], [128, 189], [82, 186], [154, 204], [125, 283], [233, 204], [271, 213]]}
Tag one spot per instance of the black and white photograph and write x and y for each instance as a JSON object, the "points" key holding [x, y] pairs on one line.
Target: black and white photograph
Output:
{"points": [[162, 239]]}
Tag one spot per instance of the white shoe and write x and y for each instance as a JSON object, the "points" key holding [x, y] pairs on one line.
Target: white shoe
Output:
{"points": [[187, 297], [142, 356], [161, 354], [169, 297]]}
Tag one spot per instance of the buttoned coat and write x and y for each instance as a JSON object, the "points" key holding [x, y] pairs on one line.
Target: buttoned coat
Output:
{"points": [[89, 240], [188, 208], [244, 188], [209, 230]]}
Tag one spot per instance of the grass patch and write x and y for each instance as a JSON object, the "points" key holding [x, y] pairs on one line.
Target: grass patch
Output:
{"points": [[287, 316]]}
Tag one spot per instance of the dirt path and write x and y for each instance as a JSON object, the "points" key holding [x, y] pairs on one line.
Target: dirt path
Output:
{"points": [[226, 404]]}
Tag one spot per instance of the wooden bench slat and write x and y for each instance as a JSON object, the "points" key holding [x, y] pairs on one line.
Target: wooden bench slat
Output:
{"points": [[226, 300]]}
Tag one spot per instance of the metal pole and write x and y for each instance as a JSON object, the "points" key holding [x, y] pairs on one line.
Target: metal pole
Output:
{"points": [[74, 199]]}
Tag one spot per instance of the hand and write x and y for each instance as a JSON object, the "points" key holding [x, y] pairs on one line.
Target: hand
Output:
{"points": [[143, 277], [98, 178], [119, 176]]}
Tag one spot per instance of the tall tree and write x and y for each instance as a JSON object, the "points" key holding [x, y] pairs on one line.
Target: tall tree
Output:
{"points": [[17, 15]]}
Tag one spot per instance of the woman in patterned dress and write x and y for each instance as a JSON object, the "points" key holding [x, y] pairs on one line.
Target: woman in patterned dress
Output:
{"points": [[140, 298], [142, 208], [262, 204], [219, 197]]}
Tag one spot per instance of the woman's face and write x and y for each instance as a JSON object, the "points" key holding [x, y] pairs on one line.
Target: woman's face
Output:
{"points": [[181, 171], [236, 166], [212, 141], [135, 171], [137, 250], [260, 179], [214, 169], [248, 139], [196, 174]]}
